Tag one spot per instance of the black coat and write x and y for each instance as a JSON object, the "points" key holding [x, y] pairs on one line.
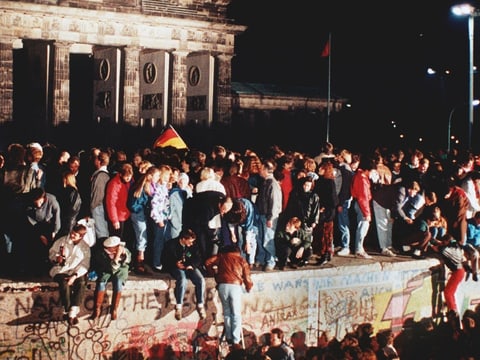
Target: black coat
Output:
{"points": [[70, 203]]}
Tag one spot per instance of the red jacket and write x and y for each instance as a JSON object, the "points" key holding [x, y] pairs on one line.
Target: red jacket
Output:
{"points": [[116, 200], [361, 191], [286, 185]]}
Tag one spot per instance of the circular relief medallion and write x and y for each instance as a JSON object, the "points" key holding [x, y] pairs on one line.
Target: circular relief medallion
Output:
{"points": [[194, 75], [104, 69], [149, 72]]}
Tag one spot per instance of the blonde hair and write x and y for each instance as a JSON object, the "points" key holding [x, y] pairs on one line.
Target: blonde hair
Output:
{"points": [[144, 166], [207, 173], [69, 179], [309, 164], [144, 182], [345, 155], [165, 170]]}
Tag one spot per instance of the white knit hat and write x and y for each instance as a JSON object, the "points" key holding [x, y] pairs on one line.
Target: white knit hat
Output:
{"points": [[35, 145], [113, 241]]}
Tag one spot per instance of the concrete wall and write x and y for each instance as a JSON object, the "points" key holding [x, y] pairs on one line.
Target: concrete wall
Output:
{"points": [[312, 300]]}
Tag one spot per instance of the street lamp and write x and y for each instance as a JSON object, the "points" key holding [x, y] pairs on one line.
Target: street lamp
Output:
{"points": [[450, 116], [471, 12], [449, 129]]}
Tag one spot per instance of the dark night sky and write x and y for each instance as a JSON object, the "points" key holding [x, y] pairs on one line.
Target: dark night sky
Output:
{"points": [[379, 55]]}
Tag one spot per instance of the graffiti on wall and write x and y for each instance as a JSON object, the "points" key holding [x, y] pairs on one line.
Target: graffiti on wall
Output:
{"points": [[31, 325]]}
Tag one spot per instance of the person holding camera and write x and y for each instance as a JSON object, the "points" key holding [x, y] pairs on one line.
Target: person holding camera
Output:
{"points": [[182, 259], [70, 256]]}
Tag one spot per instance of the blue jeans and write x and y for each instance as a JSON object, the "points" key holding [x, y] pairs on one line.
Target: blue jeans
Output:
{"points": [[260, 254], [250, 237], [437, 231], [384, 225], [231, 298], [101, 224], [362, 229], [181, 277], [7, 243], [159, 240], [139, 224], [117, 284], [343, 221], [268, 241]]}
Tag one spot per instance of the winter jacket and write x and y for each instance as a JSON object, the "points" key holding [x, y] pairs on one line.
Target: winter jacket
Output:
{"points": [[361, 191], [116, 199], [232, 268]]}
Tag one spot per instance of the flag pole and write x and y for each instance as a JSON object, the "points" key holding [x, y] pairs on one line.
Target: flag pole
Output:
{"points": [[329, 83]]}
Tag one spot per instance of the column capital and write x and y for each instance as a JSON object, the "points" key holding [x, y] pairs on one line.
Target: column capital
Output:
{"points": [[63, 43], [180, 53], [224, 56]]}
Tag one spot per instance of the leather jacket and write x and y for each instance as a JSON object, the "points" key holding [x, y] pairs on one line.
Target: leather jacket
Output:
{"points": [[230, 268]]}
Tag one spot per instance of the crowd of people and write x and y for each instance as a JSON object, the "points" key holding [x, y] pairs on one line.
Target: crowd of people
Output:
{"points": [[194, 214], [423, 339]]}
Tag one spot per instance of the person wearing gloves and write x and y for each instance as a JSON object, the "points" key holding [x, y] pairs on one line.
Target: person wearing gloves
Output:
{"points": [[232, 273], [71, 258], [112, 264]]}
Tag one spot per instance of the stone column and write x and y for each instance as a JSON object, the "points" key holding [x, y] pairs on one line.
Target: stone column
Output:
{"points": [[61, 91], [179, 88], [223, 108], [132, 86], [6, 82]]}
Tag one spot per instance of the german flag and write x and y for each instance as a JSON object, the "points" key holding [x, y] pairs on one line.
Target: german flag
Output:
{"points": [[169, 137]]}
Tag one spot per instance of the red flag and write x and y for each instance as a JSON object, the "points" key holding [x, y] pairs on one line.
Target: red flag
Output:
{"points": [[170, 138], [326, 50]]}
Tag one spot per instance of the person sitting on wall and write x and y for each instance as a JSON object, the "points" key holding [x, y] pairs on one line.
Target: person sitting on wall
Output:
{"points": [[71, 258], [182, 259], [112, 262]]}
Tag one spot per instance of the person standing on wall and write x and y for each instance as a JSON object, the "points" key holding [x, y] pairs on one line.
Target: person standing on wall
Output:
{"points": [[343, 182], [139, 197], [362, 194], [269, 205], [303, 203], [160, 214], [42, 223], [98, 187], [70, 203], [116, 198]]}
